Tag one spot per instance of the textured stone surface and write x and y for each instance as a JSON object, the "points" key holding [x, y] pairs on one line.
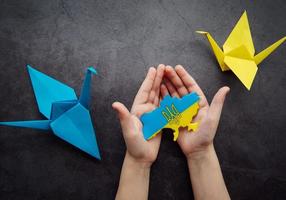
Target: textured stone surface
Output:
{"points": [[124, 38]]}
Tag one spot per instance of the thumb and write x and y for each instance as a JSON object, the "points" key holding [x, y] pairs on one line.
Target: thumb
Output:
{"points": [[122, 111], [217, 103]]}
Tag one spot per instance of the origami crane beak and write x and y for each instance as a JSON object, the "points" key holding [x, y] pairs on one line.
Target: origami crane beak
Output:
{"points": [[92, 70], [202, 32]]}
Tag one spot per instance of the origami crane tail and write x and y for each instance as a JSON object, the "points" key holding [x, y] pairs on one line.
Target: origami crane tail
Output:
{"points": [[37, 124], [216, 49], [84, 98], [266, 52]]}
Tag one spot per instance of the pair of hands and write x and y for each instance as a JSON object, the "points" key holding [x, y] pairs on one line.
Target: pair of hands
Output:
{"points": [[158, 83]]}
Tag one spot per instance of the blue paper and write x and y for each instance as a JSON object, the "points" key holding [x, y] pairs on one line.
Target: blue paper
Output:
{"points": [[67, 117]]}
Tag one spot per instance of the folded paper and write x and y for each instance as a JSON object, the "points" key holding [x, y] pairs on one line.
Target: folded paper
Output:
{"points": [[67, 116], [172, 113], [238, 52]]}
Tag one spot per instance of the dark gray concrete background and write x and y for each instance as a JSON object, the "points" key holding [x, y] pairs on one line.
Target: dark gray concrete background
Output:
{"points": [[123, 38]]}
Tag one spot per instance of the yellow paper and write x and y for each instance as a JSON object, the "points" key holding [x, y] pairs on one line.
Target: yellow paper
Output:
{"points": [[185, 118], [238, 52]]}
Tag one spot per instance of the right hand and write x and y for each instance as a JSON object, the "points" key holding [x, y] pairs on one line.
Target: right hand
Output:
{"points": [[178, 82]]}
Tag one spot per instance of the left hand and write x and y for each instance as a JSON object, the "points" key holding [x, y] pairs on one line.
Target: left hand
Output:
{"points": [[147, 98]]}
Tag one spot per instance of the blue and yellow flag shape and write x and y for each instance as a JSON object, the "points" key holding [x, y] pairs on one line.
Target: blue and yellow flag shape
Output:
{"points": [[172, 113]]}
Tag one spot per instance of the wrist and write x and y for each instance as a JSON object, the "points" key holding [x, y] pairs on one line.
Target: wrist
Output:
{"points": [[134, 179], [206, 176], [146, 165], [202, 154]]}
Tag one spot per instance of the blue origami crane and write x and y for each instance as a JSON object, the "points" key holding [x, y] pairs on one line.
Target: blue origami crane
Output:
{"points": [[67, 116]]}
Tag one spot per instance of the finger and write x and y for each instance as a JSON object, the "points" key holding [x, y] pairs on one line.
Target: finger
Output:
{"points": [[145, 89], [191, 84], [154, 94], [176, 81], [124, 116], [164, 90], [217, 105], [122, 111], [172, 90]]}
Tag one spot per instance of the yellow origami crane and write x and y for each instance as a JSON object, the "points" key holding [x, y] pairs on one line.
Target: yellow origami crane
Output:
{"points": [[238, 52]]}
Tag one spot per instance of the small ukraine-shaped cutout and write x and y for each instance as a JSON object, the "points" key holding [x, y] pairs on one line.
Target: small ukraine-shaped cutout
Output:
{"points": [[172, 113]]}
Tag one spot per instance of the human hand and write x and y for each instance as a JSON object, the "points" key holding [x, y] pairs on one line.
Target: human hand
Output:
{"points": [[147, 98], [178, 82]]}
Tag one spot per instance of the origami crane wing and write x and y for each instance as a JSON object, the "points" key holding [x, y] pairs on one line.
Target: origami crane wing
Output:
{"points": [[244, 69], [48, 90], [240, 35], [38, 124], [75, 127]]}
